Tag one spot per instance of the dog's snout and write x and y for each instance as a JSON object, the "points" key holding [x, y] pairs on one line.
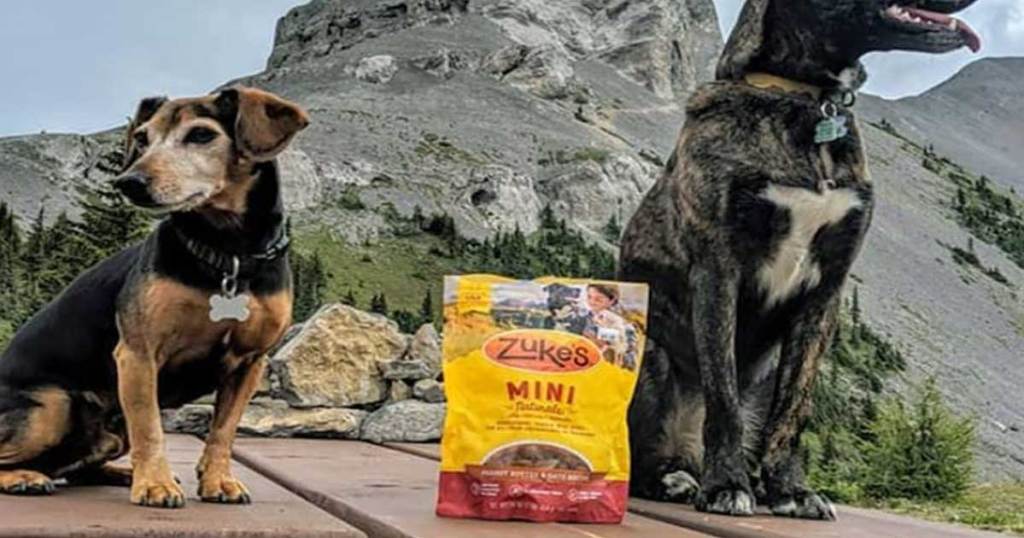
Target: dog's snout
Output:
{"points": [[135, 187]]}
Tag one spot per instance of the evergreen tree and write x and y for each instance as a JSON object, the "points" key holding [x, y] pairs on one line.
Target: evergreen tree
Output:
{"points": [[612, 230], [349, 298], [108, 223], [427, 308], [379, 304], [547, 218]]}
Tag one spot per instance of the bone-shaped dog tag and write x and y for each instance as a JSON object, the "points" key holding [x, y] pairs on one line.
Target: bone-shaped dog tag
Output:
{"points": [[234, 308]]}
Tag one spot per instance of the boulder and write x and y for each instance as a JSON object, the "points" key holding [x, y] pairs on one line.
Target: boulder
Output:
{"points": [[190, 418], [334, 361], [407, 369], [274, 418], [429, 390], [376, 69], [399, 390], [443, 63], [405, 421], [426, 347]]}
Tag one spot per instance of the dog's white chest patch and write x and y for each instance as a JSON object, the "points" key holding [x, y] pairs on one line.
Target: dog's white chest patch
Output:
{"points": [[790, 267]]}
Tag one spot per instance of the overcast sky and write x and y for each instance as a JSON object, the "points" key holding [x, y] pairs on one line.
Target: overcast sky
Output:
{"points": [[80, 66]]}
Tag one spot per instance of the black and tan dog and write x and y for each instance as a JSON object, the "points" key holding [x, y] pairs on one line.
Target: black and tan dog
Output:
{"points": [[189, 311], [746, 241]]}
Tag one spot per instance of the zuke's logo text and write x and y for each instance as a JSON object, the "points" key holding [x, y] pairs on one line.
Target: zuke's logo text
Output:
{"points": [[542, 351]]}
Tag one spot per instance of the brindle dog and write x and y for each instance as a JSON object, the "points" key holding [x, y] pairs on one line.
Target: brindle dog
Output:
{"points": [[86, 377], [746, 241]]}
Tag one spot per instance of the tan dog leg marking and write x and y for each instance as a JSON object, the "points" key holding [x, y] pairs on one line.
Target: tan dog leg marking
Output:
{"points": [[152, 481], [216, 483]]}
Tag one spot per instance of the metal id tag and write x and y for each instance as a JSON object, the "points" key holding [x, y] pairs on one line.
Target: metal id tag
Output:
{"points": [[229, 304]]}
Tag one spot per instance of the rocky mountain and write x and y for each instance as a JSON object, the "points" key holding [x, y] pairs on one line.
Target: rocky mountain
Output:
{"points": [[974, 117], [488, 110]]}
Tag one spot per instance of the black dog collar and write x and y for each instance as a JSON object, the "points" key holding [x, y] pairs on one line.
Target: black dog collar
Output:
{"points": [[233, 264]]}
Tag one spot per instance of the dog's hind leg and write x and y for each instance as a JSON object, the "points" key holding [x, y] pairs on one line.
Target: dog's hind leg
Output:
{"points": [[799, 362], [216, 482], [31, 422], [94, 469], [665, 432]]}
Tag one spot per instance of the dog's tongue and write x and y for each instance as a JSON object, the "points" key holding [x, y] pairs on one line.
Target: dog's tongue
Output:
{"points": [[972, 37]]}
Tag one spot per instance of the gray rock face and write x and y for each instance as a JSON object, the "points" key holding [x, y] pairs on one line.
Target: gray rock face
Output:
{"points": [[44, 170], [192, 419], [426, 347], [429, 390], [275, 418], [376, 69], [962, 328], [407, 421], [406, 369], [335, 359], [975, 117], [398, 390]]}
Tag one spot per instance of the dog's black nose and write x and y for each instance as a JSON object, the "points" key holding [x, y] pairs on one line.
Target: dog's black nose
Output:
{"points": [[135, 187]]}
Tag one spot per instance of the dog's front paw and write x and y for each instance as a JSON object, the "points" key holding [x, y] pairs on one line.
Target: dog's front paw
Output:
{"points": [[25, 483], [159, 493], [223, 488], [805, 505], [679, 487], [731, 502]]}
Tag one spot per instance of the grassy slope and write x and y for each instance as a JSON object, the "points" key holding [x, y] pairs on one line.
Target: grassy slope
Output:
{"points": [[402, 268]]}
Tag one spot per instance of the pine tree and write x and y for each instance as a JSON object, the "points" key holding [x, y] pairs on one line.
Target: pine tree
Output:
{"points": [[349, 298], [547, 218], [108, 223], [612, 229], [427, 308], [379, 304]]}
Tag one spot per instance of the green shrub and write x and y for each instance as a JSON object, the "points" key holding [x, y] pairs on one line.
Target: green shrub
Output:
{"points": [[919, 451], [6, 333]]}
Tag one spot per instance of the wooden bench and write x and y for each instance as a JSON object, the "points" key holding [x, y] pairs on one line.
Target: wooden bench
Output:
{"points": [[105, 511], [322, 488]]}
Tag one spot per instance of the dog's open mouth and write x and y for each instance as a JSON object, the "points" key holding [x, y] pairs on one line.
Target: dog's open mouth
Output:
{"points": [[931, 21]]}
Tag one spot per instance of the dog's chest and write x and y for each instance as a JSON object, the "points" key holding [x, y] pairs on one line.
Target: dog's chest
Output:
{"points": [[790, 264], [177, 320]]}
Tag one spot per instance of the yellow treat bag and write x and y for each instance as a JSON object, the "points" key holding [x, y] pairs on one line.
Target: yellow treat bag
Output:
{"points": [[539, 375]]}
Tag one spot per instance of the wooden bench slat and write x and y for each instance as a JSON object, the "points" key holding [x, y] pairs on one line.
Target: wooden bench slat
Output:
{"points": [[389, 493], [853, 522], [106, 511]]}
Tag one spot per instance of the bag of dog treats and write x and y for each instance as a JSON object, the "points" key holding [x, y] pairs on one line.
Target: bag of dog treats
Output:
{"points": [[539, 375]]}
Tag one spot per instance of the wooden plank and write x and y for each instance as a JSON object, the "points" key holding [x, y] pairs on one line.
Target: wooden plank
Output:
{"points": [[106, 511], [424, 450], [853, 522], [388, 493]]}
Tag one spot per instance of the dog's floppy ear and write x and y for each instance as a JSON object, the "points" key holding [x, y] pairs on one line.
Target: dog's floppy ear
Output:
{"points": [[744, 42], [263, 122], [146, 109]]}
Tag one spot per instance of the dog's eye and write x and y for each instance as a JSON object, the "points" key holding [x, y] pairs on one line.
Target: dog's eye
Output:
{"points": [[200, 135], [141, 139]]}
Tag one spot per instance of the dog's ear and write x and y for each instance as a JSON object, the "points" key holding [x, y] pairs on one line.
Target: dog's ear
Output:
{"points": [[147, 109], [744, 42], [263, 122]]}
